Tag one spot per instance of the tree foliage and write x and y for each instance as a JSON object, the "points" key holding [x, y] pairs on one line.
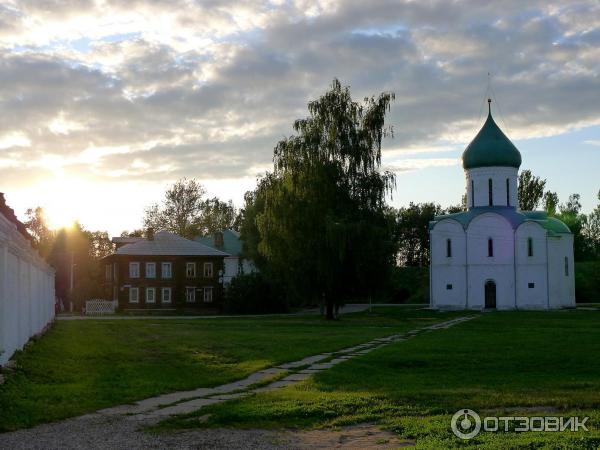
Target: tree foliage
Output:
{"points": [[185, 212], [412, 233], [322, 210], [530, 190], [179, 210], [216, 215], [37, 226]]}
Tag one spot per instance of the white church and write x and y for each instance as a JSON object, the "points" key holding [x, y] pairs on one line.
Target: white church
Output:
{"points": [[494, 255]]}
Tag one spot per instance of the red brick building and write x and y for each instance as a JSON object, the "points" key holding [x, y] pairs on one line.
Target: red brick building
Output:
{"points": [[164, 272]]}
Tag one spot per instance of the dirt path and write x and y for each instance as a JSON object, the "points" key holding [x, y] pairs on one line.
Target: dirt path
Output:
{"points": [[120, 426]]}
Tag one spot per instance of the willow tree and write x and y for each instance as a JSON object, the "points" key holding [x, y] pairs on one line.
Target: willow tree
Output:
{"points": [[324, 231]]}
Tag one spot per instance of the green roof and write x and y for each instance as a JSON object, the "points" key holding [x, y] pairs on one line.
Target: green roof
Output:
{"points": [[232, 243], [491, 147], [514, 217]]}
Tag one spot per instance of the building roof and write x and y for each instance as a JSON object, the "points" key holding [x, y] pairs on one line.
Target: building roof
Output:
{"points": [[9, 213], [120, 240], [514, 217], [168, 244], [490, 148], [232, 243]]}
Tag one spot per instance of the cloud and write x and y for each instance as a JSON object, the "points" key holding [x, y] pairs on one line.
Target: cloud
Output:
{"points": [[155, 90]]}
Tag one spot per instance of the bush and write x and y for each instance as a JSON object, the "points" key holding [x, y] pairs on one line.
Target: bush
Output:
{"points": [[587, 282], [410, 285], [253, 294]]}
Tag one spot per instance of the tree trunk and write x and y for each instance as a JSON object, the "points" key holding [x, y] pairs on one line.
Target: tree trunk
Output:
{"points": [[330, 315]]}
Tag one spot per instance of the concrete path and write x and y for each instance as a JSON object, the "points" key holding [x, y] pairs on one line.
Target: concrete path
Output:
{"points": [[119, 426], [347, 309]]}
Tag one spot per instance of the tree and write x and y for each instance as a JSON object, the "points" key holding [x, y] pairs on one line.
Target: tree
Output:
{"points": [[324, 213], [550, 203], [570, 215], [180, 210], [38, 228], [138, 232], [412, 233], [100, 244], [216, 216], [530, 190], [591, 232]]}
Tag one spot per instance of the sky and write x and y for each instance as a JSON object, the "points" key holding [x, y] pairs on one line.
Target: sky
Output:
{"points": [[105, 103]]}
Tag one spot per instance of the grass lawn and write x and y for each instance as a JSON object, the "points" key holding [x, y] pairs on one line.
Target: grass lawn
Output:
{"points": [[83, 366], [502, 363]]}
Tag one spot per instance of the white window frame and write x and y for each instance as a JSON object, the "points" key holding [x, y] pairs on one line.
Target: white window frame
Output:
{"points": [[163, 291], [137, 294], [132, 273], [108, 270], [208, 265], [163, 271], [153, 290], [153, 265], [192, 290], [190, 273], [208, 294]]}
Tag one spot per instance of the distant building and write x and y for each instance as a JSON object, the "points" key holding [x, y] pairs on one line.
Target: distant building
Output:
{"points": [[164, 272], [27, 302], [494, 255], [229, 242]]}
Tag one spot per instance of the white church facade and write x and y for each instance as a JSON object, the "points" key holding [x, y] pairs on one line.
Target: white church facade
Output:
{"points": [[494, 255]]}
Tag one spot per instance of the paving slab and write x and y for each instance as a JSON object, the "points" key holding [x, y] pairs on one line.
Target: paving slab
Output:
{"points": [[322, 366], [306, 361], [297, 376]]}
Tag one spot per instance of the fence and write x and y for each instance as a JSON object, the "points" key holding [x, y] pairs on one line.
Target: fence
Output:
{"points": [[26, 290], [99, 307]]}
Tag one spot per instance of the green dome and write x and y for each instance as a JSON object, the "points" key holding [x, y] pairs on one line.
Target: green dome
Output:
{"points": [[491, 147]]}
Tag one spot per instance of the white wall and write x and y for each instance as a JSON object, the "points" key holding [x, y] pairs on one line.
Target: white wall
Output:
{"points": [[499, 267], [26, 291], [481, 176], [448, 270], [531, 269], [561, 287], [232, 267]]}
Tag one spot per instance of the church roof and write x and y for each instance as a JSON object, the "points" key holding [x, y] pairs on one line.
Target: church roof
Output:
{"points": [[514, 217], [491, 147]]}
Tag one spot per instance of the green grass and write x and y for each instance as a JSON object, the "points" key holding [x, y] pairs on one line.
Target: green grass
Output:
{"points": [[83, 366], [502, 363]]}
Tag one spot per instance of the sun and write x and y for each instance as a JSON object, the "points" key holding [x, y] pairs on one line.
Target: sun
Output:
{"points": [[63, 198]]}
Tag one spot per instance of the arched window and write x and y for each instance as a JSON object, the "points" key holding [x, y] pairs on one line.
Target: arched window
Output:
{"points": [[449, 248], [566, 266], [472, 194], [507, 193], [529, 247], [490, 192], [490, 247]]}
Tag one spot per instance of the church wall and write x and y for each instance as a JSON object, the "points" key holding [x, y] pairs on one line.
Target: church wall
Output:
{"points": [[561, 286], [480, 177], [499, 267], [448, 272], [531, 273]]}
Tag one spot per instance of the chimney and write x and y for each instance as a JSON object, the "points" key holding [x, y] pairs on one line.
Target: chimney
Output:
{"points": [[218, 239], [150, 234]]}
